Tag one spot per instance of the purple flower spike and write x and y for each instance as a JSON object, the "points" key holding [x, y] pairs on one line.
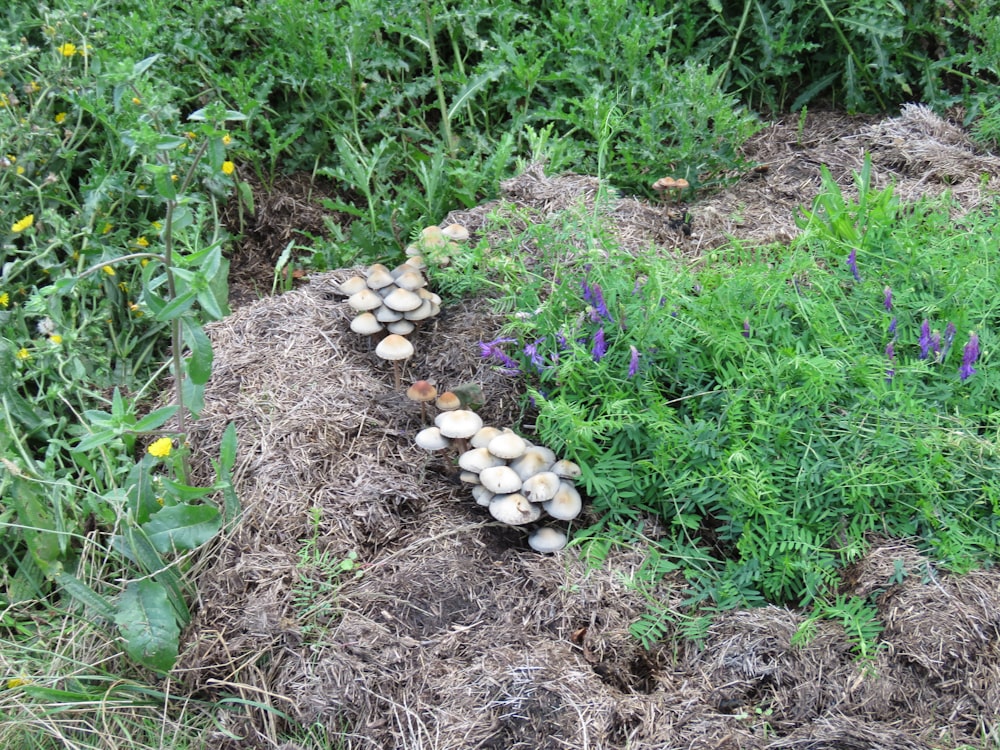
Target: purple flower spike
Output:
{"points": [[949, 338], [587, 293], [969, 356], [892, 328], [925, 339], [746, 328], [531, 351], [887, 299], [852, 263], [600, 347], [492, 350], [633, 363], [598, 302]]}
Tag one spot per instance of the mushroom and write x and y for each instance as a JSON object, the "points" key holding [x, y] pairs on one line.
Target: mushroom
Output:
{"points": [[402, 300], [352, 286], [507, 445], [431, 439], [469, 477], [410, 279], [448, 401], [565, 504], [423, 392], [500, 479], [514, 509], [364, 300], [379, 277], [460, 425], [395, 349], [478, 459], [532, 461], [456, 232], [566, 469], [482, 496], [547, 540], [482, 438], [402, 327], [541, 487], [366, 324]]}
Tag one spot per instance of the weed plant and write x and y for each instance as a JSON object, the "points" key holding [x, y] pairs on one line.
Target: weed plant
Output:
{"points": [[774, 409]]}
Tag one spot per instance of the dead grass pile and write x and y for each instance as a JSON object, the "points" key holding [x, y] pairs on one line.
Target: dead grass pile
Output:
{"points": [[455, 635]]}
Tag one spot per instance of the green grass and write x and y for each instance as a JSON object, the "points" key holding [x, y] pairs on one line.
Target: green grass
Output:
{"points": [[125, 127]]}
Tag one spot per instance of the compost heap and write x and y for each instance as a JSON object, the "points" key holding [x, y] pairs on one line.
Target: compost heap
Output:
{"points": [[451, 633]]}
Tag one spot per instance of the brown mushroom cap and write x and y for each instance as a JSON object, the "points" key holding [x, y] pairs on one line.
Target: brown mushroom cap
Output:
{"points": [[422, 391], [402, 300], [352, 286], [448, 401], [365, 324], [364, 300], [394, 347], [514, 509], [500, 479]]}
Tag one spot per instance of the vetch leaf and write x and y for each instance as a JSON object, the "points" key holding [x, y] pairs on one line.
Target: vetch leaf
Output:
{"points": [[147, 623], [199, 364]]}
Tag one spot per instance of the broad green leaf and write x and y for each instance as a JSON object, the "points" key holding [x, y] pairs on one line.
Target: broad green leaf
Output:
{"points": [[147, 622], [227, 448], [95, 440], [193, 396], [134, 545], [34, 514], [199, 364], [182, 527], [155, 419], [85, 594], [177, 306], [143, 65]]}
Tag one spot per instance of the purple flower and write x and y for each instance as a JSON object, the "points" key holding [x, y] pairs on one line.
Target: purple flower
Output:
{"points": [[852, 263], [588, 296], [936, 345], [890, 354], [969, 356], [600, 348], [925, 339], [633, 363], [887, 299], [531, 351], [637, 287], [892, 328], [561, 340], [746, 328], [949, 338], [492, 350], [597, 300]]}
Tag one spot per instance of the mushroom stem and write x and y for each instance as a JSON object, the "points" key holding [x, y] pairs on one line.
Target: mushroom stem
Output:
{"points": [[395, 371]]}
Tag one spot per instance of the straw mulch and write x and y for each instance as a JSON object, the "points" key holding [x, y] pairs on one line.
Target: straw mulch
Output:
{"points": [[455, 635]]}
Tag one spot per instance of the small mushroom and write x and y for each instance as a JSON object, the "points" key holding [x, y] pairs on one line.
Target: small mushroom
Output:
{"points": [[423, 392], [460, 425], [379, 277], [403, 300], [431, 439], [448, 401], [456, 232], [469, 477], [364, 300], [514, 509], [352, 286], [532, 461], [566, 504], [547, 540], [507, 445], [478, 459], [482, 496], [395, 349], [500, 479], [482, 438], [541, 487], [566, 469], [365, 324], [401, 327]]}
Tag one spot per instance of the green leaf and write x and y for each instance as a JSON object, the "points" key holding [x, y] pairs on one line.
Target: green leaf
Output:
{"points": [[155, 419], [199, 364], [182, 527], [85, 594], [177, 306], [193, 396], [95, 440], [143, 65], [147, 623], [227, 448]]}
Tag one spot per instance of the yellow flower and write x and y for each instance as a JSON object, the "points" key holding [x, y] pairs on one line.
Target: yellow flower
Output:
{"points": [[157, 226], [123, 286], [60, 118], [23, 354], [3, 100], [144, 262], [191, 134], [106, 228], [136, 100], [108, 270], [161, 448], [228, 167], [16, 682], [33, 87], [23, 224], [226, 140], [142, 242], [4, 299], [55, 338], [67, 50], [20, 169]]}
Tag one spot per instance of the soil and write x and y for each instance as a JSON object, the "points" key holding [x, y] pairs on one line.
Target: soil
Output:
{"points": [[451, 632]]}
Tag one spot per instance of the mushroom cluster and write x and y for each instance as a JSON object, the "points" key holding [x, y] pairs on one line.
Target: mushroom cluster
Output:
{"points": [[518, 482], [390, 305], [438, 243]]}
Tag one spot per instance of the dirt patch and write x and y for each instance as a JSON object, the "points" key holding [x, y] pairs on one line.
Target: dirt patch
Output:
{"points": [[455, 635]]}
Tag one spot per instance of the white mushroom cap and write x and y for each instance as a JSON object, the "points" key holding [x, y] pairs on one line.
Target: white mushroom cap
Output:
{"points": [[423, 311], [469, 477], [460, 423], [482, 438], [514, 509], [500, 479], [566, 504], [387, 315], [365, 324], [541, 486], [507, 445], [455, 232], [478, 459], [403, 300], [364, 300], [410, 279], [415, 260], [402, 327], [566, 469], [432, 236], [482, 495], [546, 540], [352, 286], [431, 439], [532, 461], [378, 277], [394, 347]]}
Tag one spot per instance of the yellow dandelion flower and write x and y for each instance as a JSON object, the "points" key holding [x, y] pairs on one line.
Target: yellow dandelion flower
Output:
{"points": [[142, 242], [16, 682], [144, 262], [226, 140], [67, 50], [23, 224], [159, 501], [4, 299], [161, 448], [174, 178], [60, 118], [33, 87], [108, 270], [157, 226], [228, 167], [55, 338], [20, 169], [136, 100], [23, 354], [4, 101], [191, 134]]}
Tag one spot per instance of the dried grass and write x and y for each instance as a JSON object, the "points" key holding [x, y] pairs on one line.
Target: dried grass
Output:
{"points": [[456, 635]]}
